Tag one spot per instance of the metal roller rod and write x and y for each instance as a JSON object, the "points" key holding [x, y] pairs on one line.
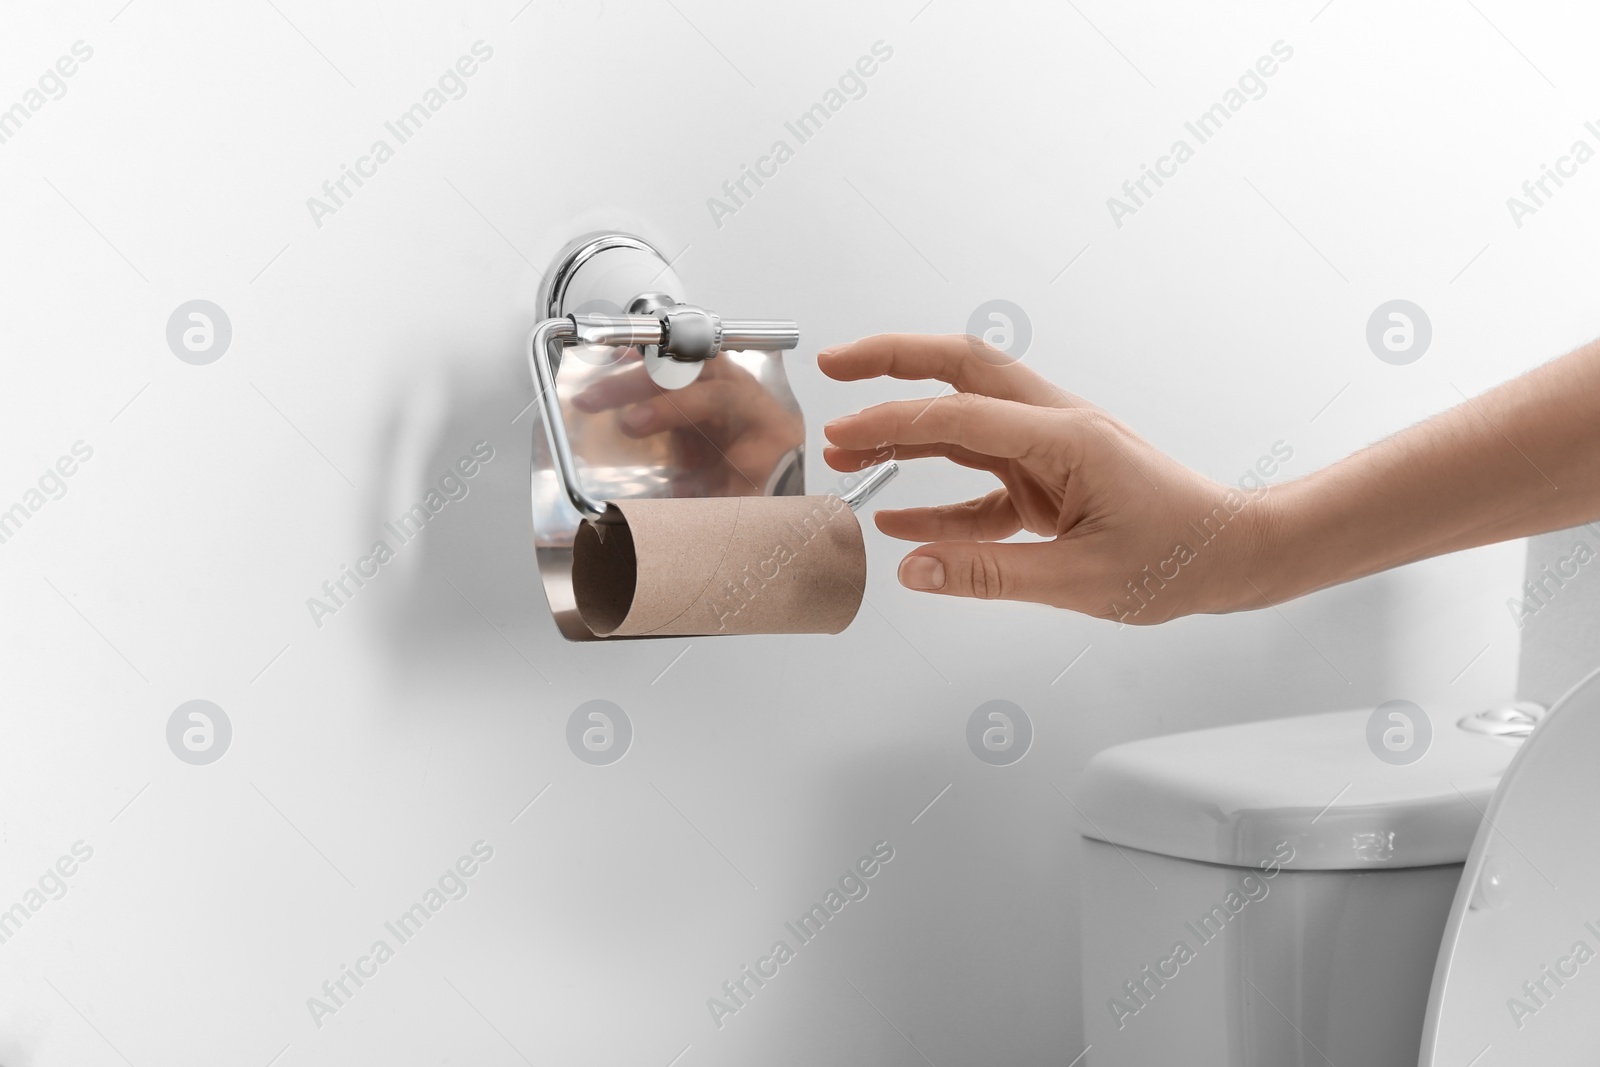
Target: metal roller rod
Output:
{"points": [[868, 487], [768, 335], [618, 330], [765, 335]]}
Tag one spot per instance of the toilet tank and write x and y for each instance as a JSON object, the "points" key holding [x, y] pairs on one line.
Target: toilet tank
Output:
{"points": [[1273, 894]]}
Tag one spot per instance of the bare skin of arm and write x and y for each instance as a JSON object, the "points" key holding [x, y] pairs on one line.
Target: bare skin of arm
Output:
{"points": [[1123, 531]]}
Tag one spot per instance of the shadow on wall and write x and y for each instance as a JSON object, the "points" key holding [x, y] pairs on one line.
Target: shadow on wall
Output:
{"points": [[452, 514], [451, 556]]}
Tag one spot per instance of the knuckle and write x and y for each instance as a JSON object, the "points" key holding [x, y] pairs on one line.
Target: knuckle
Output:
{"points": [[958, 408], [1098, 423], [983, 576], [962, 405], [1085, 418], [955, 367], [958, 518], [977, 346], [1086, 429]]}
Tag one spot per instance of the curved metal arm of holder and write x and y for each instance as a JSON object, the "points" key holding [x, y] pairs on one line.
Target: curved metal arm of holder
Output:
{"points": [[542, 350]]}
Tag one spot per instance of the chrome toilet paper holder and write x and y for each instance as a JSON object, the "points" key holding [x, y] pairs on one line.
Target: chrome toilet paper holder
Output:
{"points": [[615, 302]]}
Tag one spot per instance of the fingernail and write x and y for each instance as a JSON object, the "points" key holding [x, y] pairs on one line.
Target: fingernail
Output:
{"points": [[922, 572], [835, 350], [636, 417], [837, 424]]}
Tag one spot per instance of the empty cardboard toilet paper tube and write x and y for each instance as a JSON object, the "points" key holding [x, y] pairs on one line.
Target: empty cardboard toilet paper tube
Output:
{"points": [[699, 566]]}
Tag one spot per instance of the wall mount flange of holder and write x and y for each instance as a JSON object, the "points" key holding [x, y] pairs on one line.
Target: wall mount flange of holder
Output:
{"points": [[616, 338]]}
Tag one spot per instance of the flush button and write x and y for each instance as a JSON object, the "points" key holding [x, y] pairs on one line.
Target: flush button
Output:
{"points": [[1373, 846], [1514, 721]]}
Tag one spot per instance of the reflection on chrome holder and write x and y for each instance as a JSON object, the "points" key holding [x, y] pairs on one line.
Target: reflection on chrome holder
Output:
{"points": [[685, 334]]}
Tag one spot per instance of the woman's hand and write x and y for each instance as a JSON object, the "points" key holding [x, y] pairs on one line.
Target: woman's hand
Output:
{"points": [[1129, 533]]}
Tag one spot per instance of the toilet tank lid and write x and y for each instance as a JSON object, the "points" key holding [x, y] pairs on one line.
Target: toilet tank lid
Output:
{"points": [[1239, 794]]}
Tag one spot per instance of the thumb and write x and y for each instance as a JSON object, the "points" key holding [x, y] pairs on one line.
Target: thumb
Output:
{"points": [[985, 570]]}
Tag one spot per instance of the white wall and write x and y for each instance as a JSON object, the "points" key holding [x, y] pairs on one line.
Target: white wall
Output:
{"points": [[369, 352]]}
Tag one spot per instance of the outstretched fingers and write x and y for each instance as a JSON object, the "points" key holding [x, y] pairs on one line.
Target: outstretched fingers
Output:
{"points": [[963, 362], [848, 459], [988, 518], [1004, 429]]}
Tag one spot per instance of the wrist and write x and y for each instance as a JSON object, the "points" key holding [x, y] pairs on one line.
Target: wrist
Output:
{"points": [[1270, 563]]}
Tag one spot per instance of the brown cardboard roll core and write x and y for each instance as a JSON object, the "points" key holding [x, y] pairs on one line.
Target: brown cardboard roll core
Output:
{"points": [[720, 565]]}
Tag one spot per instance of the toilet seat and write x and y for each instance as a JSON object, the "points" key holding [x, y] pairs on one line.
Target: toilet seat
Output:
{"points": [[1518, 975]]}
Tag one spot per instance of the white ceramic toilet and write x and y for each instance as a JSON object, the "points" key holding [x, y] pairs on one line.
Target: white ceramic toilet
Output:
{"points": [[1276, 894]]}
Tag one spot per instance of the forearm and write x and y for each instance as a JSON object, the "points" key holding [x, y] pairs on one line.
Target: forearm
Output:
{"points": [[1521, 459]]}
